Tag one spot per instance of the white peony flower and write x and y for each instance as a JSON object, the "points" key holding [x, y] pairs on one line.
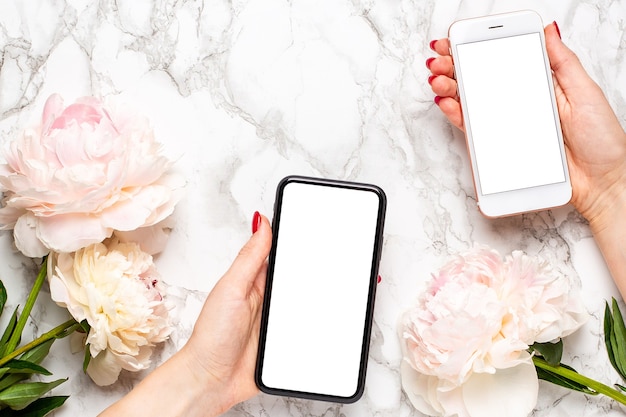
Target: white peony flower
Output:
{"points": [[465, 341], [115, 287]]}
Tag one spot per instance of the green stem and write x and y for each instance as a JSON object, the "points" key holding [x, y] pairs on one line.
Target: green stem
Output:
{"points": [[68, 327], [581, 379], [30, 302]]}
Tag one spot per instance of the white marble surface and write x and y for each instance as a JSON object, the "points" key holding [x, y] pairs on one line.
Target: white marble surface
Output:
{"points": [[243, 93]]}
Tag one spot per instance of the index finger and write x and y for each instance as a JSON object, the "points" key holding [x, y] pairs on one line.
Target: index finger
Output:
{"points": [[251, 258], [441, 46]]}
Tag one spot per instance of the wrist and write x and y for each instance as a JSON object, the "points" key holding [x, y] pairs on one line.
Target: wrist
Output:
{"points": [[607, 211], [177, 388], [609, 229], [209, 396]]}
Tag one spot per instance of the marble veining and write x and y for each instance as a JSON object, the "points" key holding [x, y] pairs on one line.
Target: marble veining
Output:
{"points": [[244, 92]]}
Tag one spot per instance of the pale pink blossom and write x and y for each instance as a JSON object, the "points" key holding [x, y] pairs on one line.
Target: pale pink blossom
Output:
{"points": [[472, 326], [115, 287], [86, 170]]}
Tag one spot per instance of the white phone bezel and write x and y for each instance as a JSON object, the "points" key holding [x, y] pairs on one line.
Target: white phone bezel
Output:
{"points": [[521, 200]]}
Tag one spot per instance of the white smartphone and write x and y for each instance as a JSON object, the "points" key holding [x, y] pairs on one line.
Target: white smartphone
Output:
{"points": [[511, 118], [321, 282]]}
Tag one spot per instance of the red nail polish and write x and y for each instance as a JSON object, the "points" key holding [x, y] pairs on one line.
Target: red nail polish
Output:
{"points": [[556, 26], [432, 44], [256, 221], [429, 61], [431, 78], [437, 100], [379, 279]]}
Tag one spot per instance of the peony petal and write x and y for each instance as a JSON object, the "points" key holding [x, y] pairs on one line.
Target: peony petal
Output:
{"points": [[151, 239], [9, 215], [416, 387], [65, 290], [78, 340], [78, 113], [138, 362], [420, 389], [104, 368], [452, 402], [139, 209], [59, 292], [68, 233], [25, 234], [509, 392], [51, 110]]}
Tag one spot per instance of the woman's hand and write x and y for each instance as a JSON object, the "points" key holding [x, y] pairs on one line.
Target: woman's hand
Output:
{"points": [[224, 343], [595, 143], [594, 139], [215, 369]]}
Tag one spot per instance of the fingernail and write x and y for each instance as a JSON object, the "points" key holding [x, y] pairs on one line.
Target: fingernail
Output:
{"points": [[437, 100], [431, 78], [256, 221], [556, 26], [429, 61], [379, 279], [432, 44]]}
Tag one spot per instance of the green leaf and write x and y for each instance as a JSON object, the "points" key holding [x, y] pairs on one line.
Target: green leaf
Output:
{"points": [[621, 387], [21, 366], [563, 381], [85, 326], [8, 332], [608, 332], [619, 347], [35, 355], [11, 379], [3, 297], [38, 353], [86, 358], [68, 331], [551, 352], [38, 408], [28, 306], [19, 396], [615, 338]]}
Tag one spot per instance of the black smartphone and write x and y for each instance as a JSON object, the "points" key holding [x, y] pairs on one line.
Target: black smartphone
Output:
{"points": [[321, 284]]}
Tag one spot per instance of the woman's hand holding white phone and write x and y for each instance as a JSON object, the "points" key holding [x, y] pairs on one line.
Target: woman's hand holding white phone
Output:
{"points": [[510, 114]]}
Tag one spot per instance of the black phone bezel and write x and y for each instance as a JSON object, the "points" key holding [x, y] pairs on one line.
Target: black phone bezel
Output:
{"points": [[368, 319]]}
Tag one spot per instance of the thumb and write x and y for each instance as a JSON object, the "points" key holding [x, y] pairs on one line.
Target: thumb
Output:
{"points": [[251, 257], [566, 66]]}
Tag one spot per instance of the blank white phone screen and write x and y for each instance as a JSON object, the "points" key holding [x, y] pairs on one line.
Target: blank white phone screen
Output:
{"points": [[510, 113], [320, 288]]}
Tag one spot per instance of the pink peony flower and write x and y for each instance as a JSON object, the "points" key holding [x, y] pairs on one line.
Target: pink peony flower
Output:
{"points": [[87, 170], [471, 329], [115, 287]]}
